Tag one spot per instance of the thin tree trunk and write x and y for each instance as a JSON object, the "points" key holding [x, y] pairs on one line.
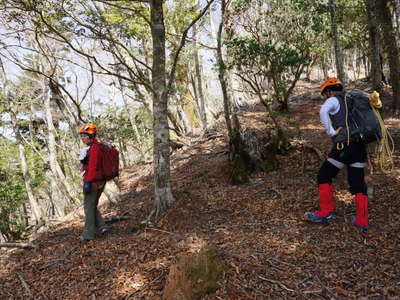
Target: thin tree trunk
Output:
{"points": [[131, 117], [161, 161], [172, 117], [182, 116], [3, 237], [199, 87], [55, 168], [397, 16], [57, 203], [36, 212], [123, 159], [222, 76], [34, 204], [391, 50], [338, 51], [374, 45]]}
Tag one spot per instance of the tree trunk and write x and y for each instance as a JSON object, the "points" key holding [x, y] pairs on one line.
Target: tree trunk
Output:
{"points": [[161, 157], [239, 157], [123, 159], [374, 45], [55, 168], [66, 110], [172, 117], [199, 80], [396, 6], [183, 117], [131, 117], [338, 51], [36, 212], [391, 49], [3, 237], [221, 75], [57, 203], [34, 204]]}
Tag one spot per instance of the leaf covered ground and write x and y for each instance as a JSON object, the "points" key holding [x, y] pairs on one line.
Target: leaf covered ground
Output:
{"points": [[268, 250]]}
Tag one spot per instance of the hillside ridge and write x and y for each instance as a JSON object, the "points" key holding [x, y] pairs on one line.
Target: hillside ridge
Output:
{"points": [[269, 251]]}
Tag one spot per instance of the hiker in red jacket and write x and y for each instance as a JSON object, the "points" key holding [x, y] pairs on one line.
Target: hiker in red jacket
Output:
{"points": [[350, 154], [93, 183]]}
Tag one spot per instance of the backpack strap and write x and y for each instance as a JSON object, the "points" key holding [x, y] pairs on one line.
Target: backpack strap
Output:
{"points": [[347, 118]]}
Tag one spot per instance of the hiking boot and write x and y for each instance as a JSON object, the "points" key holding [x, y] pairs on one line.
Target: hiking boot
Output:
{"points": [[362, 228], [312, 217]]}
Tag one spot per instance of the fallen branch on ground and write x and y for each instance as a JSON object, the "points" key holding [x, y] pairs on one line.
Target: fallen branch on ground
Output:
{"points": [[114, 219], [316, 150], [18, 245], [162, 273], [277, 282], [308, 146], [25, 285]]}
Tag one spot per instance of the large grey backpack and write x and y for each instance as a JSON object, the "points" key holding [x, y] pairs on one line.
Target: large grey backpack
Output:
{"points": [[363, 125]]}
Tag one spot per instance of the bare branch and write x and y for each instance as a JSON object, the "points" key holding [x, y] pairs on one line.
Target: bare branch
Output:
{"points": [[182, 44], [18, 245]]}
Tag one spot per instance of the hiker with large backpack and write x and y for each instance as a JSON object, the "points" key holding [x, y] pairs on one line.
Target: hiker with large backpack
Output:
{"points": [[99, 163], [350, 122]]}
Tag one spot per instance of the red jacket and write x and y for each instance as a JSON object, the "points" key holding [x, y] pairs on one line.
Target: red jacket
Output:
{"points": [[92, 167]]}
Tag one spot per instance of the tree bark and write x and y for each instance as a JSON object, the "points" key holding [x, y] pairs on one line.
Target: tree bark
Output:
{"points": [[34, 204], [396, 6], [374, 45], [62, 185], [199, 80], [183, 117], [338, 51], [222, 75], [131, 117], [390, 47], [161, 156], [36, 212]]}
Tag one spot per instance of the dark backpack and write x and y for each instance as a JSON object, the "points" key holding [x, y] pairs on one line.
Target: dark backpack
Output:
{"points": [[362, 122], [109, 161]]}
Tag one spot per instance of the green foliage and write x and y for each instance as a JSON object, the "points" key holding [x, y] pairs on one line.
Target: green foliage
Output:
{"points": [[246, 52], [240, 5], [12, 187], [130, 22], [281, 64], [12, 196], [116, 124]]}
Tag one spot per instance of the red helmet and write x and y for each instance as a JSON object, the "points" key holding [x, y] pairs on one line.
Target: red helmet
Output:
{"points": [[332, 81], [89, 128]]}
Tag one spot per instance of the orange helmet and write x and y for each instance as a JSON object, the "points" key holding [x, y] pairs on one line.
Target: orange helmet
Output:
{"points": [[89, 128], [331, 81]]}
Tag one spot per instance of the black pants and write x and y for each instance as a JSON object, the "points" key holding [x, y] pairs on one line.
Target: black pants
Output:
{"points": [[354, 156]]}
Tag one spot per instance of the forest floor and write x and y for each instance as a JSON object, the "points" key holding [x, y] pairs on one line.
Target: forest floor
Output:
{"points": [[268, 250]]}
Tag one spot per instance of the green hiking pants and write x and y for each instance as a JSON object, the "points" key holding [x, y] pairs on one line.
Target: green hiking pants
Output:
{"points": [[93, 219]]}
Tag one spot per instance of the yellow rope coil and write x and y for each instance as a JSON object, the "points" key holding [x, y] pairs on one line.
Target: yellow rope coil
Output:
{"points": [[385, 148]]}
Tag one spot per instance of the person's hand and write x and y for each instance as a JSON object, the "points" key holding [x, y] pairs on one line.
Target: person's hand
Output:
{"points": [[87, 187], [337, 131]]}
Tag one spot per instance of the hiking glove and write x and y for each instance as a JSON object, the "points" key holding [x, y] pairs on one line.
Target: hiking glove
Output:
{"points": [[87, 187]]}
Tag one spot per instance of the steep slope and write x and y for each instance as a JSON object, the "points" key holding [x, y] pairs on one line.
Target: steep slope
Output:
{"points": [[268, 250]]}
